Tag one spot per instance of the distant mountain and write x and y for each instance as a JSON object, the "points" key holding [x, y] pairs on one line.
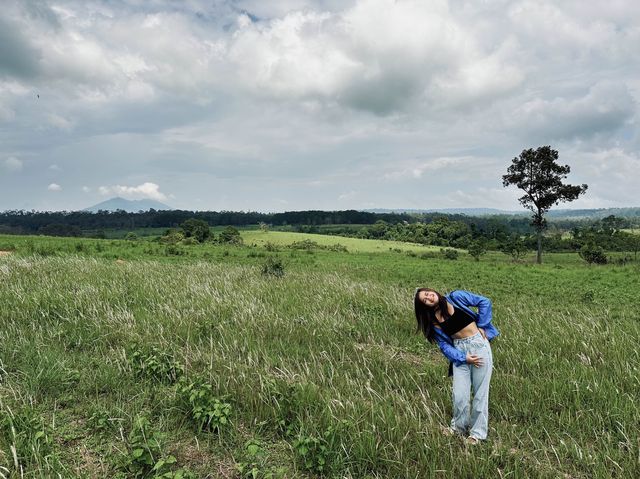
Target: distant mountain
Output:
{"points": [[450, 211], [130, 206]]}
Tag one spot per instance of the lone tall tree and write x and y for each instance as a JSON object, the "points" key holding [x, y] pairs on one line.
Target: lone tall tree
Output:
{"points": [[540, 177]]}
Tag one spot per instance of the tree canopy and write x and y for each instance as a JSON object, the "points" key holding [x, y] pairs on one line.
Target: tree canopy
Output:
{"points": [[537, 173]]}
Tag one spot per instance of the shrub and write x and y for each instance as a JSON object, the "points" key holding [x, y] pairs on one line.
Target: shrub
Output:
{"points": [[448, 253], [477, 249], [269, 246], [145, 457], [319, 454], [593, 254], [100, 421], [172, 236], [156, 364], [131, 236], [304, 244], [273, 267], [312, 453], [253, 463], [515, 247], [189, 241], [173, 250], [197, 229], [207, 411], [230, 235]]}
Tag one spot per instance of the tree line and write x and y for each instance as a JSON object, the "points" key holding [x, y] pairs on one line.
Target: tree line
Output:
{"points": [[72, 223]]}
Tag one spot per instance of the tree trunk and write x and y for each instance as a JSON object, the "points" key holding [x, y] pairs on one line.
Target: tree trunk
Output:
{"points": [[539, 256]]}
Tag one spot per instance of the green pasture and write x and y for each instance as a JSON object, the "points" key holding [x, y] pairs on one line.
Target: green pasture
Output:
{"points": [[282, 238], [205, 361]]}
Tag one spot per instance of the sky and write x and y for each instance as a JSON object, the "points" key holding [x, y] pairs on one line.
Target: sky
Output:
{"points": [[285, 105]]}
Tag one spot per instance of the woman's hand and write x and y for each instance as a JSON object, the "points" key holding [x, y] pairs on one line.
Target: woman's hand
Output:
{"points": [[475, 360]]}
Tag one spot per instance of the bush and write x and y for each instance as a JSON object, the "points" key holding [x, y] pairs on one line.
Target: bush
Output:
{"points": [[477, 249], [448, 253], [173, 250], [146, 458], [304, 244], [131, 236], [273, 267], [172, 236], [253, 463], [230, 235], [269, 246], [207, 411], [156, 364], [593, 254], [197, 229], [515, 247], [189, 241]]}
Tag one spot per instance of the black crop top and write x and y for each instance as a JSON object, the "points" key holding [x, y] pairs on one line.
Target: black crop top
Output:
{"points": [[457, 321]]}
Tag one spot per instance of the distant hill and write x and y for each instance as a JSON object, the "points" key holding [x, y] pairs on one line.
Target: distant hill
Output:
{"points": [[130, 206], [596, 213], [451, 211]]}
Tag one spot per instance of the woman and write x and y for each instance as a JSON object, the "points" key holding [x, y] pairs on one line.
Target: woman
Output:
{"points": [[463, 336]]}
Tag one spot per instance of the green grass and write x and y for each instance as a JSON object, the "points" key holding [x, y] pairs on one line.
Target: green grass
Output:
{"points": [[282, 238], [323, 360]]}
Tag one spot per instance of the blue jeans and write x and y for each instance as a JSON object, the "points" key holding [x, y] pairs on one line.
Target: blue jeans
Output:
{"points": [[465, 377]]}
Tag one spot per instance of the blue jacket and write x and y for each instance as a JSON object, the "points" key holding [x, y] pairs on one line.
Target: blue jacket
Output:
{"points": [[466, 300]]}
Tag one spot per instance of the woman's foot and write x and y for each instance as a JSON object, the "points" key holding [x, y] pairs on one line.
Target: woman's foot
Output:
{"points": [[472, 441]]}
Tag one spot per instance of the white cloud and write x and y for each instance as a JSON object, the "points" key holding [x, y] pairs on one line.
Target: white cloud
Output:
{"points": [[403, 101], [54, 187], [145, 190], [379, 56], [54, 167], [606, 106], [86, 189], [12, 164]]}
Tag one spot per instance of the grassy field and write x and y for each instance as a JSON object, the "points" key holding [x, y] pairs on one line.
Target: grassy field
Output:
{"points": [[118, 357]]}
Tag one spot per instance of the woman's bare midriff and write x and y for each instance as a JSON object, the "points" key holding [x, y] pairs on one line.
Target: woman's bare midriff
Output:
{"points": [[467, 331]]}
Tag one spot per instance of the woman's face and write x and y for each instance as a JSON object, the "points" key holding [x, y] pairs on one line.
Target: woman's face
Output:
{"points": [[429, 298]]}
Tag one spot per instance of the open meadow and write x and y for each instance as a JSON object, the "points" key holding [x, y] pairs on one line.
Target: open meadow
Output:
{"points": [[132, 359]]}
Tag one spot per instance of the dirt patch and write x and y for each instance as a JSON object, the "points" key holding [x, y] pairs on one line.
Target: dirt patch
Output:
{"points": [[120, 261], [5, 252]]}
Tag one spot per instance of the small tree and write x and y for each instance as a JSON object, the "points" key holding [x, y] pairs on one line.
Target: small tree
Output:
{"points": [[477, 249], [515, 247], [633, 242], [540, 177], [195, 228]]}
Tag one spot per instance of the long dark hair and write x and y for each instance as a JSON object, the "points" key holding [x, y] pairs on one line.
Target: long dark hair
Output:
{"points": [[426, 315]]}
